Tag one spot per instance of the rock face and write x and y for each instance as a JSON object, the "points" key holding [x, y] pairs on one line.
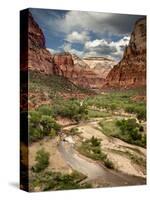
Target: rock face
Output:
{"points": [[62, 64], [100, 65], [131, 70], [39, 58], [80, 62], [73, 68]]}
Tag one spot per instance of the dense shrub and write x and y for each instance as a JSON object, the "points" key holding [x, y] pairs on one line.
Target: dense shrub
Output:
{"points": [[109, 164], [45, 110], [131, 132], [72, 109], [41, 125], [42, 161], [139, 110]]}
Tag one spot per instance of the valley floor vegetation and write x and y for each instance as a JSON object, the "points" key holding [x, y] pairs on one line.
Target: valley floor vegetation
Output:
{"points": [[129, 126]]}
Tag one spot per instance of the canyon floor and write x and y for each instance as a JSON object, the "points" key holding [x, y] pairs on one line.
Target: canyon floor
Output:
{"points": [[79, 132], [65, 157]]}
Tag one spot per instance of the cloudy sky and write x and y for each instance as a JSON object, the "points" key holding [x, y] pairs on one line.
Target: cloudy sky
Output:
{"points": [[85, 33]]}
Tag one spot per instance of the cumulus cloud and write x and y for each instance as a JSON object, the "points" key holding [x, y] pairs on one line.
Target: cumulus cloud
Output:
{"points": [[104, 48], [98, 34], [94, 21], [78, 37]]}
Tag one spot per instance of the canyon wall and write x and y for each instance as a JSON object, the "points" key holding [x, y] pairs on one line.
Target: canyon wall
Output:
{"points": [[130, 72]]}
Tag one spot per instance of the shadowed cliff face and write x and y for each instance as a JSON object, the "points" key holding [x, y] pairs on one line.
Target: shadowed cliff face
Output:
{"points": [[131, 70]]}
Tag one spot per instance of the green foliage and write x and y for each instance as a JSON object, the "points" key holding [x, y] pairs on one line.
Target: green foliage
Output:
{"points": [[41, 125], [92, 149], [109, 127], [140, 110], [74, 131], [120, 100], [108, 163], [53, 85], [131, 132], [95, 142], [71, 109], [45, 110], [42, 161], [57, 181], [97, 113]]}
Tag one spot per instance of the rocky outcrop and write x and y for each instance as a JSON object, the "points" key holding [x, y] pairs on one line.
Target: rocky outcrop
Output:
{"points": [[100, 65], [73, 68], [39, 58], [131, 70], [79, 62]]}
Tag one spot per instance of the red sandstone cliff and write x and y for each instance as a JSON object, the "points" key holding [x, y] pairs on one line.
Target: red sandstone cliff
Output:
{"points": [[131, 70], [62, 64], [73, 68], [39, 58]]}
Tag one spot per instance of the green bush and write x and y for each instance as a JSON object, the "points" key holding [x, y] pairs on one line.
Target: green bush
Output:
{"points": [[139, 110], [92, 149], [42, 161], [109, 164], [45, 110], [71, 109], [41, 125], [131, 132], [95, 142]]}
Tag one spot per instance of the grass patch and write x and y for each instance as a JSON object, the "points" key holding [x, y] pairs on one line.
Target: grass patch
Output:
{"points": [[96, 113], [109, 128]]}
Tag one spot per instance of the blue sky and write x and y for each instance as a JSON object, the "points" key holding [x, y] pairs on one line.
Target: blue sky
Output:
{"points": [[85, 33]]}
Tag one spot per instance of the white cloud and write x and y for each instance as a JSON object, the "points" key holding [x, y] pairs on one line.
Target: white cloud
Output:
{"points": [[78, 37], [97, 47], [95, 43], [68, 48], [93, 21], [105, 48]]}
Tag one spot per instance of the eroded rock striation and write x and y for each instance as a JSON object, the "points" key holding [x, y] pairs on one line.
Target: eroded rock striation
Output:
{"points": [[131, 70]]}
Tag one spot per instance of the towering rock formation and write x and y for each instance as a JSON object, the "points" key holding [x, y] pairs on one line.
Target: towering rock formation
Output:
{"points": [[76, 70], [100, 65], [39, 58], [62, 64], [131, 70]]}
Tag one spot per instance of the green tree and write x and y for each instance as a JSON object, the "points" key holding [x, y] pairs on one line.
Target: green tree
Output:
{"points": [[42, 161]]}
